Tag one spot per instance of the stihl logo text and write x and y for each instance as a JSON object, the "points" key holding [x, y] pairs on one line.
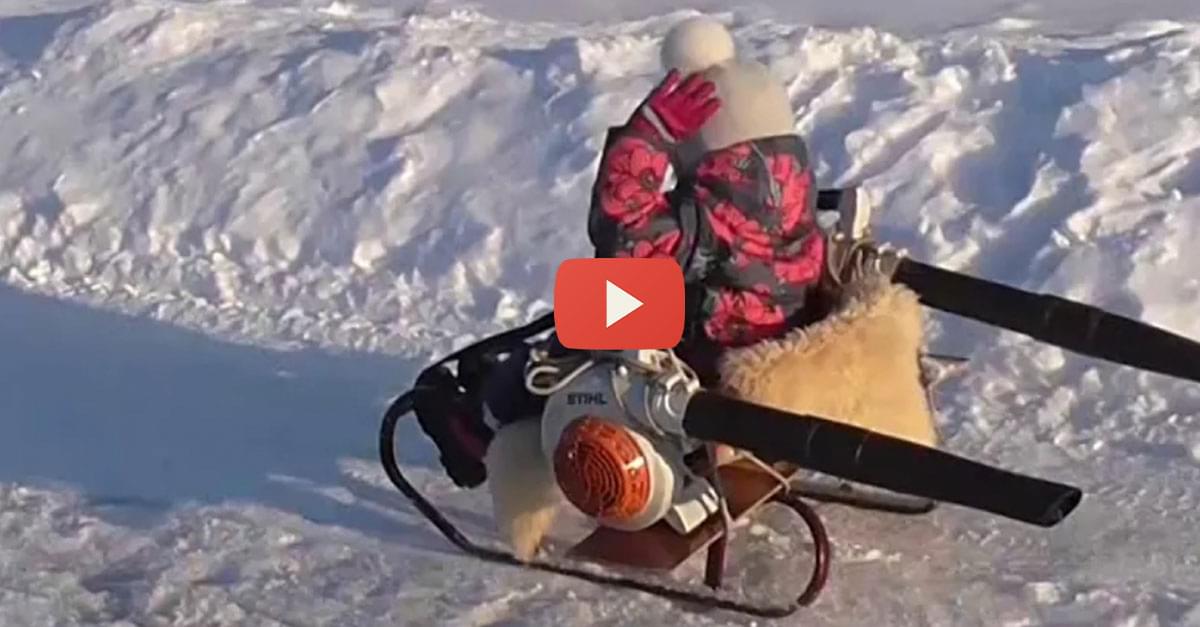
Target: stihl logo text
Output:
{"points": [[585, 398]]}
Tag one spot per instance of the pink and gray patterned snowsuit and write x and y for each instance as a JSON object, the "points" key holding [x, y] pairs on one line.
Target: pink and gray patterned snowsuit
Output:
{"points": [[742, 225]]}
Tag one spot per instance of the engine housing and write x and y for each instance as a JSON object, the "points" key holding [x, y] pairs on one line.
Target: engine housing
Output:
{"points": [[613, 468]]}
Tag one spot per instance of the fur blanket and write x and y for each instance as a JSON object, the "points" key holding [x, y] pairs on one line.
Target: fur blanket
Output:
{"points": [[859, 365]]}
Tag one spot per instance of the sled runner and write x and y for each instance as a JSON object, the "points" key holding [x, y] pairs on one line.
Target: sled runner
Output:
{"points": [[628, 435]]}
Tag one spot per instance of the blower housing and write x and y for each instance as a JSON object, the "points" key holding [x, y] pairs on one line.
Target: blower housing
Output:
{"points": [[613, 467]]}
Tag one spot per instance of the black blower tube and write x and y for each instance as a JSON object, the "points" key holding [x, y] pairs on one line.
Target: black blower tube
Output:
{"points": [[1074, 326], [875, 459]]}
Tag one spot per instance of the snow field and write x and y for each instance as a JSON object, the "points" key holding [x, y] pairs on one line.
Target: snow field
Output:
{"points": [[294, 206]]}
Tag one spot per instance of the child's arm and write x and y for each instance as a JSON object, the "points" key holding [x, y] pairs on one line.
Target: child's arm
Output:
{"points": [[630, 215]]}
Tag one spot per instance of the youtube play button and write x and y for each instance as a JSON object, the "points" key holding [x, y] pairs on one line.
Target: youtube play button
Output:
{"points": [[614, 304], [617, 304]]}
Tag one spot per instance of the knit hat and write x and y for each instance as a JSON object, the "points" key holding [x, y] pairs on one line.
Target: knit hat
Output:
{"points": [[754, 105]]}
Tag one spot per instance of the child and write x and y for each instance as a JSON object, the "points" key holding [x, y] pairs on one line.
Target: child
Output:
{"points": [[740, 220]]}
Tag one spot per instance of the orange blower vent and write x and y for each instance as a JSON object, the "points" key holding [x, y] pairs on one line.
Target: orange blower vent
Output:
{"points": [[602, 470]]}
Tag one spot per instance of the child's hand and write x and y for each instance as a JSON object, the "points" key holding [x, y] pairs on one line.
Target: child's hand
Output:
{"points": [[677, 111]]}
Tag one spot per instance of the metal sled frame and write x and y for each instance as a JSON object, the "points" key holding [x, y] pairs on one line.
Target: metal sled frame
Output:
{"points": [[709, 536]]}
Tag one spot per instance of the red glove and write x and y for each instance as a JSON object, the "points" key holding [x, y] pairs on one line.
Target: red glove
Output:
{"points": [[676, 112]]}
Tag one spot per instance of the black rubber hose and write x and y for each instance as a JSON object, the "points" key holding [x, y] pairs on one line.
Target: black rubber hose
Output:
{"points": [[867, 457]]}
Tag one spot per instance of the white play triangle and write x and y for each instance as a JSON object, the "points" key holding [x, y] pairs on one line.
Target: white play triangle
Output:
{"points": [[617, 304]]}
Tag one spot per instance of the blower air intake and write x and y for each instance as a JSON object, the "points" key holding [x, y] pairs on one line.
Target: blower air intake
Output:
{"points": [[612, 474], [612, 463]]}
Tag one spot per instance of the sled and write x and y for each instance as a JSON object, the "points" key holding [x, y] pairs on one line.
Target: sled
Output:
{"points": [[853, 454], [859, 464], [656, 550]]}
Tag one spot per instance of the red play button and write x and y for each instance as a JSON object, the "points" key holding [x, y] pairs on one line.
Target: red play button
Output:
{"points": [[612, 304]]}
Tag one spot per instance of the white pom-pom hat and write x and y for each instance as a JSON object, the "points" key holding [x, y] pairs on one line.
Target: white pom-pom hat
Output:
{"points": [[754, 104], [696, 44]]}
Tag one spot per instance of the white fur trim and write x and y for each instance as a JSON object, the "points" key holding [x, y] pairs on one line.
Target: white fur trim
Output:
{"points": [[525, 495], [859, 366]]}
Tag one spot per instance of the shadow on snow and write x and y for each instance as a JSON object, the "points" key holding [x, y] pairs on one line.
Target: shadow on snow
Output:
{"points": [[139, 415]]}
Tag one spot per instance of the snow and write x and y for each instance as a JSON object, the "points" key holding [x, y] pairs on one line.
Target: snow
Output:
{"points": [[230, 232]]}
